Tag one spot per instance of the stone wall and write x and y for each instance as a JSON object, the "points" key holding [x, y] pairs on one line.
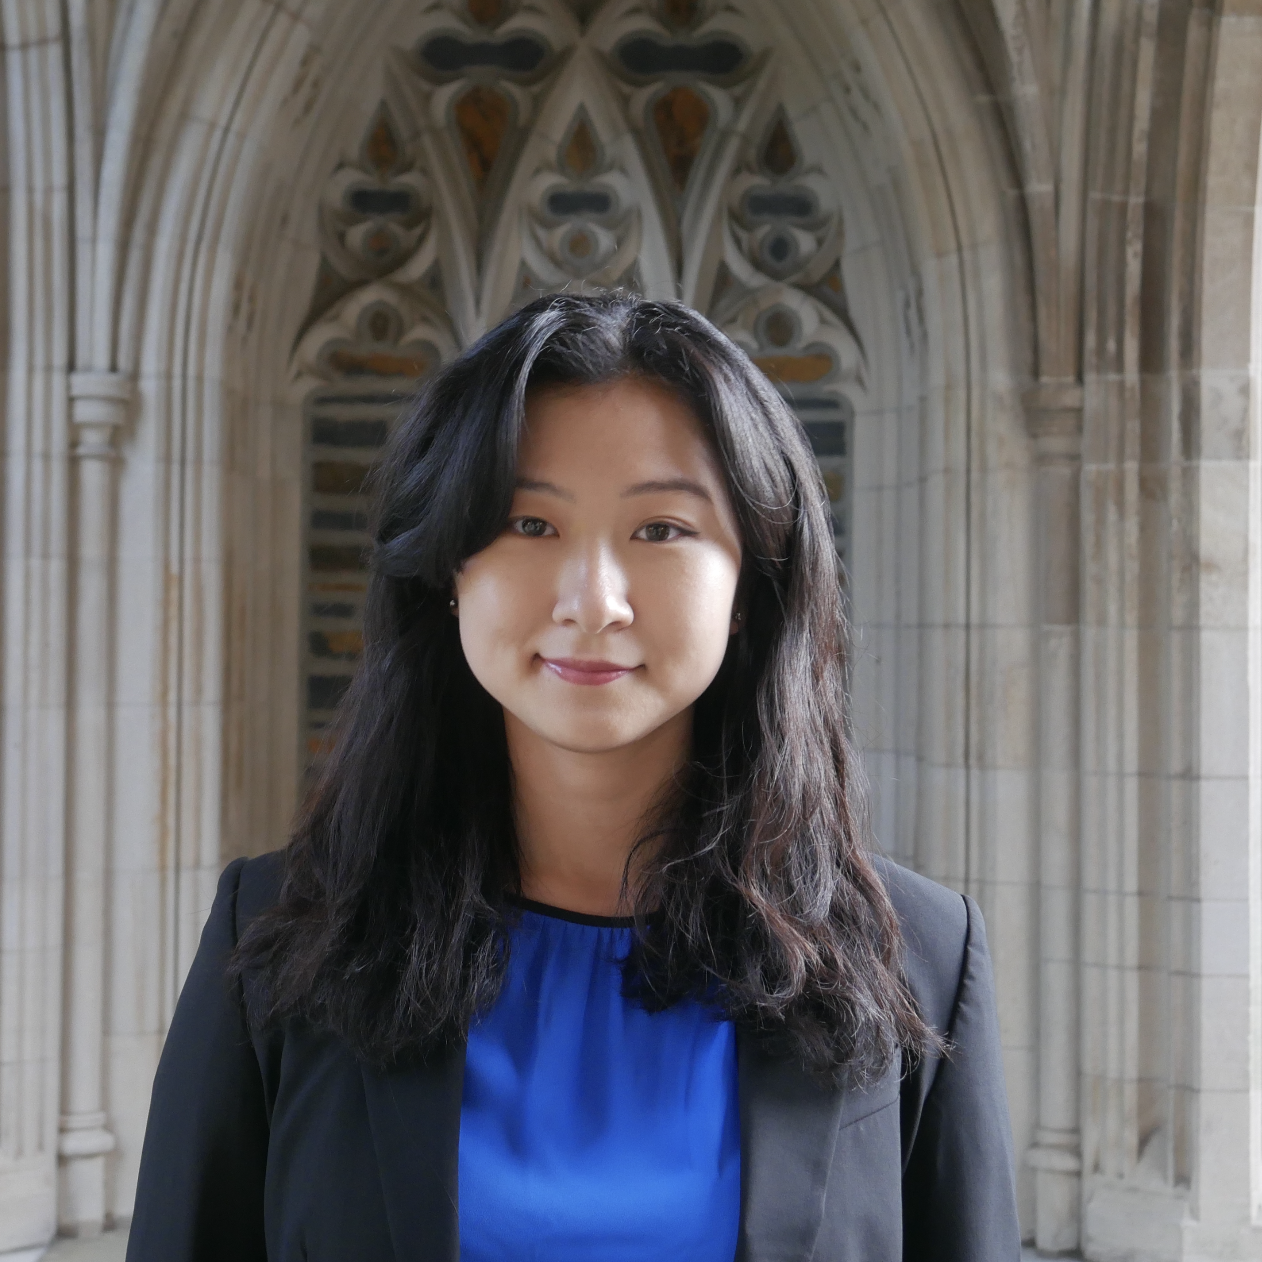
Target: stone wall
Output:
{"points": [[1008, 246]]}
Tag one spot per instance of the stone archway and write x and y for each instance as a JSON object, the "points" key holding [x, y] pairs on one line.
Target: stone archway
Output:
{"points": [[830, 192], [331, 217], [1038, 214]]}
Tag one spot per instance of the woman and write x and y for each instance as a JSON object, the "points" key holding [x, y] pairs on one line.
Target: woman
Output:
{"points": [[577, 951]]}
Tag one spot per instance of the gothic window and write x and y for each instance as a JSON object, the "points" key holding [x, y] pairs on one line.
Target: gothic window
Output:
{"points": [[519, 149]]}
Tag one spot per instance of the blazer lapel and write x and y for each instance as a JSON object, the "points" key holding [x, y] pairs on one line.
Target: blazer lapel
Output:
{"points": [[789, 1128], [788, 1125], [414, 1114]]}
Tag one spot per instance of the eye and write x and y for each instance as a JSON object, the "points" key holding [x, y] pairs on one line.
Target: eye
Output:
{"points": [[531, 527], [661, 532]]}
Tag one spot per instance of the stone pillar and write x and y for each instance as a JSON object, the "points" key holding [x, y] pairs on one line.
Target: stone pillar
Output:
{"points": [[99, 404], [1054, 416]]}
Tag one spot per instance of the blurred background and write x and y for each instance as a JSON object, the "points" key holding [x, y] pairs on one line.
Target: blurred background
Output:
{"points": [[999, 255]]}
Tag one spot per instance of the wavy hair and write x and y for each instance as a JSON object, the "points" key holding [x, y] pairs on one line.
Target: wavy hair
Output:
{"points": [[391, 929]]}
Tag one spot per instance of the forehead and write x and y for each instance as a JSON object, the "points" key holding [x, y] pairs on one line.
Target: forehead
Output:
{"points": [[630, 421]]}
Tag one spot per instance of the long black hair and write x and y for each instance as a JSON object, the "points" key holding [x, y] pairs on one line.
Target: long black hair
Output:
{"points": [[392, 925]]}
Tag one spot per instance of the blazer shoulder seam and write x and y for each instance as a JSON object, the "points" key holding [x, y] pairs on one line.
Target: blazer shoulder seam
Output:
{"points": [[965, 954], [234, 892]]}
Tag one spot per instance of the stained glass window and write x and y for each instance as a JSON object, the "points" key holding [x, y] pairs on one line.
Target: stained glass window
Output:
{"points": [[514, 154]]}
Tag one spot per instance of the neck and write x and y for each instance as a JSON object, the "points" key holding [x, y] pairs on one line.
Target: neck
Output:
{"points": [[579, 815]]}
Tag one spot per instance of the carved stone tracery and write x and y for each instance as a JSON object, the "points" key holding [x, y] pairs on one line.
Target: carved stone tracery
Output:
{"points": [[522, 149]]}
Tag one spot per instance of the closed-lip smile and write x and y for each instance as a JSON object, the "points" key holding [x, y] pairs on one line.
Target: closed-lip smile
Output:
{"points": [[579, 670]]}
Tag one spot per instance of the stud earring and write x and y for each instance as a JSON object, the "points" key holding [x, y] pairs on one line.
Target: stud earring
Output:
{"points": [[451, 604]]}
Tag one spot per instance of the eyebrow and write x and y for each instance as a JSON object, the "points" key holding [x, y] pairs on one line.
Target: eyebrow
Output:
{"points": [[686, 485], [544, 488]]}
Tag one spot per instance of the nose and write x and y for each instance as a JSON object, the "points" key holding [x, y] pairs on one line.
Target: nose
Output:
{"points": [[592, 593]]}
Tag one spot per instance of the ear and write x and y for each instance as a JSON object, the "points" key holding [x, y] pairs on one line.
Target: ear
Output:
{"points": [[740, 598]]}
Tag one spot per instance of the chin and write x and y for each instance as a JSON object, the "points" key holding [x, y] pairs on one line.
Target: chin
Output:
{"points": [[592, 738]]}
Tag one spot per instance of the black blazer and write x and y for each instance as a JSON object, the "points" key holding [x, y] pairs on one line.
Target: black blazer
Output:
{"points": [[280, 1146]]}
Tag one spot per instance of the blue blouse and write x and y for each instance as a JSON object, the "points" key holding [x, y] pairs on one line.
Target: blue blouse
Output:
{"points": [[591, 1130]]}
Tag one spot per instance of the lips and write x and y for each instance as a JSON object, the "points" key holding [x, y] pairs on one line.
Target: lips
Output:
{"points": [[576, 670]]}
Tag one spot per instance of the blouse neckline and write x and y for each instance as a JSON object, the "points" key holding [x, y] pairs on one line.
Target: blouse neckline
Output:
{"points": [[573, 917]]}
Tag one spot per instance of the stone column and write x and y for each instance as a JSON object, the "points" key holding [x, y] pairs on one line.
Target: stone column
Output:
{"points": [[99, 404], [1054, 416]]}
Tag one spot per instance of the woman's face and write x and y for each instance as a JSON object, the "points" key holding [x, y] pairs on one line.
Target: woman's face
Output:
{"points": [[604, 609]]}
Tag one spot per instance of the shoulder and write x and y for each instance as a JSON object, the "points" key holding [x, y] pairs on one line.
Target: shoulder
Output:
{"points": [[248, 887], [939, 928], [930, 913]]}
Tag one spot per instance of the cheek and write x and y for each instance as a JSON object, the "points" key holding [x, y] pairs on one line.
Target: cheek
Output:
{"points": [[692, 618], [499, 607]]}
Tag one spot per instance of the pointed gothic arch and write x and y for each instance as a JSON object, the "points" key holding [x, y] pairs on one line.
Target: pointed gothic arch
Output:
{"points": [[644, 147], [355, 195], [219, 221]]}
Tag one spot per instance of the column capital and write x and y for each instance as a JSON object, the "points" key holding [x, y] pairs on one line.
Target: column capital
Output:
{"points": [[1055, 1150], [1053, 416], [99, 403], [84, 1135]]}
